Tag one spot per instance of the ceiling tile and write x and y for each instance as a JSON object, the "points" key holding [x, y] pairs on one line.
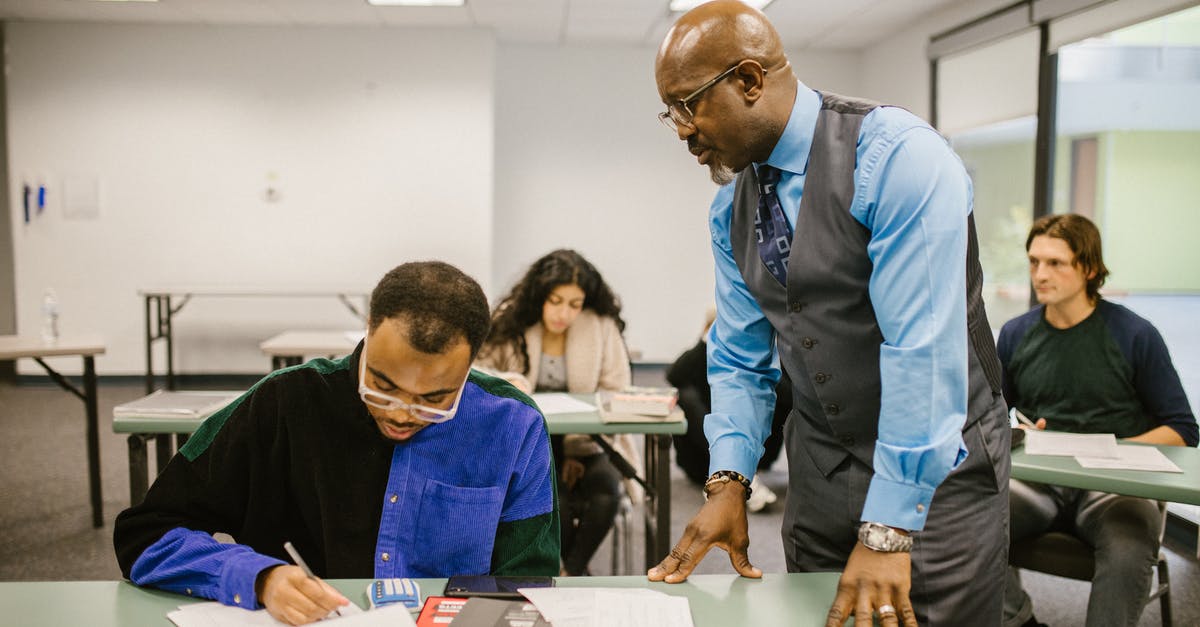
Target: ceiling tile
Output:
{"points": [[814, 24], [334, 12]]}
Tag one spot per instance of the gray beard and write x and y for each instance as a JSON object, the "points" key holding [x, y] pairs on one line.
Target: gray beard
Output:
{"points": [[721, 174]]}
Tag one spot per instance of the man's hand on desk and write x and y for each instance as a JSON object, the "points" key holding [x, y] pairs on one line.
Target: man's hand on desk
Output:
{"points": [[720, 522], [873, 580], [292, 597]]}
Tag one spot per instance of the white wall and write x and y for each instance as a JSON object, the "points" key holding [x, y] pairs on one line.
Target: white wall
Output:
{"points": [[896, 70], [373, 137], [379, 140], [582, 162]]}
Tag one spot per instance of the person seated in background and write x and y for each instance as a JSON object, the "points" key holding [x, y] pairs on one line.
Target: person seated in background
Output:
{"points": [[559, 330], [1080, 363], [689, 374], [394, 461]]}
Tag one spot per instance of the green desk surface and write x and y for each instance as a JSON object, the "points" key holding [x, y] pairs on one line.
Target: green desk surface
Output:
{"points": [[715, 600], [582, 422], [1161, 486]]}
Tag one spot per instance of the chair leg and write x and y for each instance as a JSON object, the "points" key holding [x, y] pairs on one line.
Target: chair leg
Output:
{"points": [[616, 536], [622, 545], [1164, 583]]}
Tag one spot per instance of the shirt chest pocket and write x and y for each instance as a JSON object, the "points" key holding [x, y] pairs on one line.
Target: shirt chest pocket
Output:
{"points": [[456, 530]]}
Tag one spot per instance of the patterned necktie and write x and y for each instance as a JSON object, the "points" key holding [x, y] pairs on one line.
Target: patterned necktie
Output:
{"points": [[770, 225]]}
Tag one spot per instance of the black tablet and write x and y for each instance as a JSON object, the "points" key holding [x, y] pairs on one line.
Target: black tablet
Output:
{"points": [[493, 586]]}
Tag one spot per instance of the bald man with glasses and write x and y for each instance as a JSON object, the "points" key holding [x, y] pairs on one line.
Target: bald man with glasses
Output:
{"points": [[845, 251], [397, 460]]}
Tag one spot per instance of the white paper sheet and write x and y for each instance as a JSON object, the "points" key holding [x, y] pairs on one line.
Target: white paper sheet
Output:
{"points": [[215, 614], [1070, 444], [1132, 457], [603, 607], [556, 403]]}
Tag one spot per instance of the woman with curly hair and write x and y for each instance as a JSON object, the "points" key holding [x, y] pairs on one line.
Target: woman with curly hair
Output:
{"points": [[559, 330]]}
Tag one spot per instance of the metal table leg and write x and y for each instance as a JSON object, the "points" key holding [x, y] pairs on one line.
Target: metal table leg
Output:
{"points": [[658, 509], [170, 333], [159, 326], [93, 439], [89, 398], [164, 448], [138, 472], [149, 351]]}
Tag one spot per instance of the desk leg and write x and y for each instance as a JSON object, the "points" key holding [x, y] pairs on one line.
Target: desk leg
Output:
{"points": [[163, 450], [93, 439], [138, 473], [279, 362], [149, 351], [170, 346], [658, 510]]}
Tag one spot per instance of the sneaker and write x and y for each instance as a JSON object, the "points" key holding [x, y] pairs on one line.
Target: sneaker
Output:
{"points": [[760, 496]]}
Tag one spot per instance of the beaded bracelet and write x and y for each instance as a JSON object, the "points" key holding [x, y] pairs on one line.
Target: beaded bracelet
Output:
{"points": [[725, 476]]}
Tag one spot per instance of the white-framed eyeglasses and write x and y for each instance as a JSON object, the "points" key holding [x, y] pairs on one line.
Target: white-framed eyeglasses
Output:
{"points": [[387, 402]]}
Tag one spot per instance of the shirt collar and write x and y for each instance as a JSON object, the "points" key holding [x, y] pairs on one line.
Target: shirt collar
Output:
{"points": [[791, 151]]}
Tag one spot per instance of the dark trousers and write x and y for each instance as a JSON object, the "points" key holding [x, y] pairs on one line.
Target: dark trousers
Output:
{"points": [[588, 511], [1123, 530], [958, 559]]}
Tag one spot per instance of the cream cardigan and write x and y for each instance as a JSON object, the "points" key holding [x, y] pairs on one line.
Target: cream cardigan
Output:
{"points": [[596, 359]]}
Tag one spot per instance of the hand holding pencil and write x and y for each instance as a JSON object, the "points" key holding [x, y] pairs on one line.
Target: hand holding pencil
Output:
{"points": [[292, 594], [1026, 423]]}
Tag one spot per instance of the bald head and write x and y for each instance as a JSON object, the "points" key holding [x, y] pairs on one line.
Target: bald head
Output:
{"points": [[717, 34], [725, 79]]}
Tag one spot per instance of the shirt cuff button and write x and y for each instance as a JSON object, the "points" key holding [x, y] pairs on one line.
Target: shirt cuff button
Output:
{"points": [[237, 598], [920, 508]]}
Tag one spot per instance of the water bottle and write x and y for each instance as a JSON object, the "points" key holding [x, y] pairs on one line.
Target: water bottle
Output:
{"points": [[49, 316]]}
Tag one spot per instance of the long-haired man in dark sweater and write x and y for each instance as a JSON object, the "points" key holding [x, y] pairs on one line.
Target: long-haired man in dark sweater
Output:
{"points": [[1080, 363], [397, 460]]}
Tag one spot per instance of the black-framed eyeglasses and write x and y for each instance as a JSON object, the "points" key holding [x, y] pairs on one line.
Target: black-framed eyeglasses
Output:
{"points": [[679, 114]]}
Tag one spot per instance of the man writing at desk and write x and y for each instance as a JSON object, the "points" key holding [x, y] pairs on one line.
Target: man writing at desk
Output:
{"points": [[395, 461], [1080, 363]]}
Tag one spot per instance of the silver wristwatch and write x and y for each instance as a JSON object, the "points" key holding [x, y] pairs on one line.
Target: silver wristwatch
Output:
{"points": [[883, 538]]}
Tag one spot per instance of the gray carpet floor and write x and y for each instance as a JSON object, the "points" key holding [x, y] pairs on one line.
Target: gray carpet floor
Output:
{"points": [[46, 533]]}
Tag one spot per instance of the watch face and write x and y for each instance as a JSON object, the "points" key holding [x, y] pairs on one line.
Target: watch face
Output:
{"points": [[881, 538]]}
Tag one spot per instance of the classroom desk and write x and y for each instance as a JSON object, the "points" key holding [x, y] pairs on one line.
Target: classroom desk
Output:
{"points": [[715, 600], [163, 303], [1160, 486], [87, 347], [657, 459], [290, 347]]}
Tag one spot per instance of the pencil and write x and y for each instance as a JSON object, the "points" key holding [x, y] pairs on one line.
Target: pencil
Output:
{"points": [[1026, 421], [291, 550]]}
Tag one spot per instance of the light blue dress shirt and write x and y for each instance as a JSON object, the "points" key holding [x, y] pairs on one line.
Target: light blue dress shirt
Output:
{"points": [[913, 195]]}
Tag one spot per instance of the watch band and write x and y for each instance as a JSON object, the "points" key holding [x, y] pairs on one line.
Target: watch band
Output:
{"points": [[882, 538], [726, 476]]}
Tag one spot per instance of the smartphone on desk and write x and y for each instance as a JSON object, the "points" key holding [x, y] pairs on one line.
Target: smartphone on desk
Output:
{"points": [[493, 586]]}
